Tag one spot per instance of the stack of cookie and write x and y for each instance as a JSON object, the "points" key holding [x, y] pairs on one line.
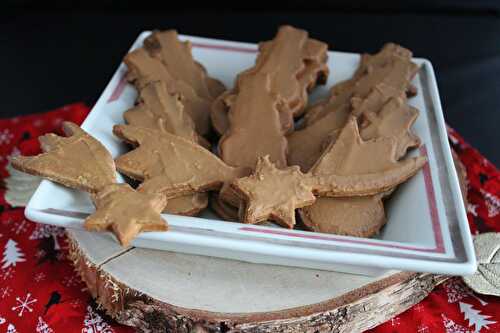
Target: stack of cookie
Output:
{"points": [[334, 169]]}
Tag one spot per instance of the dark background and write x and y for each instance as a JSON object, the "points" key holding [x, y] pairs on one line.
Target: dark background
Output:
{"points": [[52, 54]]}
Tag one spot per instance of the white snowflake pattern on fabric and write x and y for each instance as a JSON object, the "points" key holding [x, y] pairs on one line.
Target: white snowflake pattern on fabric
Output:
{"points": [[492, 203], [76, 303], [39, 277], [38, 123], [43, 327], [471, 208], [6, 274], [40, 254], [46, 231], [422, 328], [475, 317], [57, 121], [71, 281], [94, 323], [395, 321], [5, 136], [24, 304], [419, 307], [451, 327], [5, 292], [20, 227], [12, 254]]}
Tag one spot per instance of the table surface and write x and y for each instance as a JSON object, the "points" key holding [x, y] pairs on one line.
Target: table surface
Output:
{"points": [[51, 58]]}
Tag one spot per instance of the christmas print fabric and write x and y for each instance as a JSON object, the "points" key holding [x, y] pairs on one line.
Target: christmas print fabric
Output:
{"points": [[40, 291]]}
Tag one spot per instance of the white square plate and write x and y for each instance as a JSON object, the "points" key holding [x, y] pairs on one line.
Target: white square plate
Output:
{"points": [[427, 227]]}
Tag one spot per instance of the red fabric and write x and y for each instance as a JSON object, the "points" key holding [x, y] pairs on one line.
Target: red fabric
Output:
{"points": [[38, 275]]}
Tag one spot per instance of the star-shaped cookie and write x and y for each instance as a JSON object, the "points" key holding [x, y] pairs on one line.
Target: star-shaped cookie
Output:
{"points": [[126, 212], [272, 193]]}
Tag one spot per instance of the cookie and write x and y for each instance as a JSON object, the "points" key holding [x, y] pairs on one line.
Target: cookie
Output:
{"points": [[311, 61], [177, 57], [159, 110], [255, 126], [397, 72], [171, 165], [395, 119], [364, 216], [126, 212], [223, 209], [272, 193], [306, 145], [78, 161], [164, 58], [358, 216]]}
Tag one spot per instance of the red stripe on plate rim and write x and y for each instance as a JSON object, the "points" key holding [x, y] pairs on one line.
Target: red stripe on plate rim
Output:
{"points": [[117, 92]]}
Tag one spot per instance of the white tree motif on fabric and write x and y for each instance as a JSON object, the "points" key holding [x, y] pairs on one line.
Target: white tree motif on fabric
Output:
{"points": [[451, 327], [492, 203], [475, 317], [12, 254], [94, 323], [43, 327], [46, 231], [24, 304]]}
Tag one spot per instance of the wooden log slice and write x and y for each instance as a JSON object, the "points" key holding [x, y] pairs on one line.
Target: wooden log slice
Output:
{"points": [[158, 291]]}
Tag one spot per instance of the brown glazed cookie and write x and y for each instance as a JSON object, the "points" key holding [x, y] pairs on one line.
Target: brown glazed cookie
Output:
{"points": [[271, 193], [305, 145], [223, 209], [126, 212], [371, 68], [358, 216], [395, 119], [313, 55], [176, 56], [164, 58], [397, 73], [159, 110], [255, 126], [78, 160], [340, 165], [169, 164], [364, 216]]}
